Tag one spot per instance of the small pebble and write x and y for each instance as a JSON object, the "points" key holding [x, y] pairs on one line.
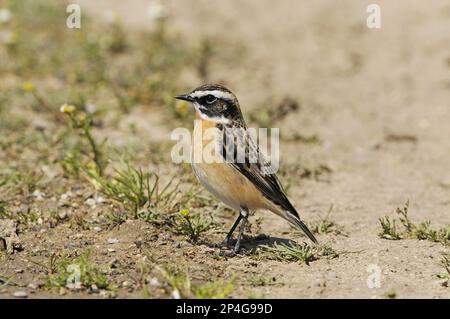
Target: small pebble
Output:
{"points": [[113, 240], [94, 288], [90, 202], [32, 286], [20, 294], [176, 294], [154, 282], [97, 229], [39, 195], [62, 215], [111, 250], [126, 284], [331, 275]]}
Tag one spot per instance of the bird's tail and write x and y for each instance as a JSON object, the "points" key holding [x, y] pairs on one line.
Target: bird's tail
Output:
{"points": [[301, 225]]}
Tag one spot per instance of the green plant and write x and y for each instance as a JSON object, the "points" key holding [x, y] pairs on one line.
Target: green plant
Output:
{"points": [[390, 295], [29, 87], [25, 181], [388, 229], [82, 123], [294, 252], [214, 290], [260, 281], [445, 262], [420, 231], [28, 217], [325, 225], [192, 226], [180, 286], [267, 114], [80, 270], [129, 186]]}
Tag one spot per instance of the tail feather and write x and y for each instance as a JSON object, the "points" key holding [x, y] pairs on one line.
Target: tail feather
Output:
{"points": [[301, 225]]}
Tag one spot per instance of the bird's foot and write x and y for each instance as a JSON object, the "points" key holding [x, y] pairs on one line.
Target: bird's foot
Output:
{"points": [[226, 243], [228, 253]]}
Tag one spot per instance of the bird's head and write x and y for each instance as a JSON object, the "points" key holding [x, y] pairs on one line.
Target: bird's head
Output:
{"points": [[214, 103]]}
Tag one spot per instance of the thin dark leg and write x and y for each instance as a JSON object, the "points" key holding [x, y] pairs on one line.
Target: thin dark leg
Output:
{"points": [[244, 214], [226, 241], [236, 223]]}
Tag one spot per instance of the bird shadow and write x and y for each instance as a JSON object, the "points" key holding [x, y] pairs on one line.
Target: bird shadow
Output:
{"points": [[251, 243]]}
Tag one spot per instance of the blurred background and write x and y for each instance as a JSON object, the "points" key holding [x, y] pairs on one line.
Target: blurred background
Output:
{"points": [[363, 115]]}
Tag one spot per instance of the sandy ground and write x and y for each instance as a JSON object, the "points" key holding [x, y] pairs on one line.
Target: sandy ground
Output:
{"points": [[358, 87]]}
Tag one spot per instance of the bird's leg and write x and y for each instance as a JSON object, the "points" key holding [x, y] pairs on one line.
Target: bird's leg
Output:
{"points": [[226, 241], [230, 233], [244, 216]]}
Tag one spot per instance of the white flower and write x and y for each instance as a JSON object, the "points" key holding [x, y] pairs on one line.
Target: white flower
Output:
{"points": [[5, 15], [157, 10]]}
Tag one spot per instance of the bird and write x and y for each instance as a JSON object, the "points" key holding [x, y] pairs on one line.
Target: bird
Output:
{"points": [[245, 185]]}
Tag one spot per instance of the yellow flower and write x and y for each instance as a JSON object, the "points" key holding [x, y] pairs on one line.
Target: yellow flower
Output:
{"points": [[66, 108], [29, 87], [82, 118], [184, 212], [182, 107]]}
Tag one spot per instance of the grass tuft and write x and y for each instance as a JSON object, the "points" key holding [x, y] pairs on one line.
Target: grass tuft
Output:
{"points": [[180, 286], [294, 252], [421, 231], [325, 225], [192, 226], [75, 272]]}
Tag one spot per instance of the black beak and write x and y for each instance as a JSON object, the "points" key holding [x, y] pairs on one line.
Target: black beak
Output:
{"points": [[185, 98]]}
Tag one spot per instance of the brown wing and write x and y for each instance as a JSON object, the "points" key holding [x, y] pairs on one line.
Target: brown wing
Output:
{"points": [[256, 168]]}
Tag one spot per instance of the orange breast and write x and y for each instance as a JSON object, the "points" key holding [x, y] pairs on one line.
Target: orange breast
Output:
{"points": [[221, 179]]}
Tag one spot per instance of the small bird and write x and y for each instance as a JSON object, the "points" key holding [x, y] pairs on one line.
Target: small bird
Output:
{"points": [[245, 186]]}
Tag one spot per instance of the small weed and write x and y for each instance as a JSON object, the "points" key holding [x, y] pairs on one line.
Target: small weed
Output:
{"points": [[326, 226], [310, 139], [298, 253], [267, 114], [65, 271], [421, 231], [445, 262], [390, 295], [28, 217], [192, 226], [261, 281], [115, 218], [214, 290], [30, 88], [25, 181], [143, 194], [129, 186], [82, 123], [389, 229], [180, 286]]}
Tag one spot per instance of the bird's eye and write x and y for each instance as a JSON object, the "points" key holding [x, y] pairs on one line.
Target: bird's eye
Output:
{"points": [[210, 99]]}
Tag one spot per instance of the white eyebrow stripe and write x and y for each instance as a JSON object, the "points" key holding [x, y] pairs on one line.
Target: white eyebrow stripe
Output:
{"points": [[217, 93]]}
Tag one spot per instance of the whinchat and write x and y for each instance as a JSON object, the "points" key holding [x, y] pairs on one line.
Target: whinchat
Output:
{"points": [[243, 185]]}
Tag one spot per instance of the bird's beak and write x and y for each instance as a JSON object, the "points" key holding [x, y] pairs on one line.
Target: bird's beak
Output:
{"points": [[185, 97]]}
